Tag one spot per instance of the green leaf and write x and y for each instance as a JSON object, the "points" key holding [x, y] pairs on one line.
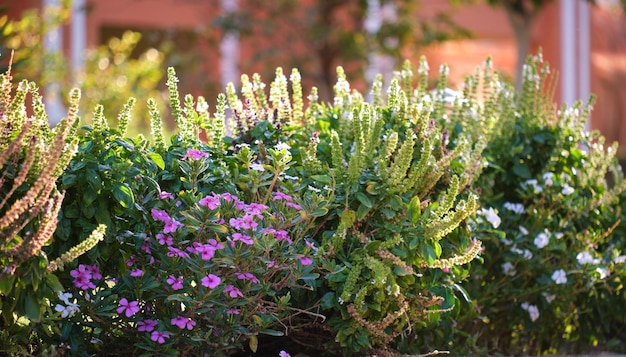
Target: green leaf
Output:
{"points": [[271, 332], [364, 199], [53, 282], [123, 194], [319, 212], [31, 307], [362, 211], [6, 284], [322, 178], [414, 210], [253, 343], [521, 170], [157, 159]]}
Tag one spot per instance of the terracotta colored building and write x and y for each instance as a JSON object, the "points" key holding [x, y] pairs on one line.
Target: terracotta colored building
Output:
{"points": [[585, 44]]}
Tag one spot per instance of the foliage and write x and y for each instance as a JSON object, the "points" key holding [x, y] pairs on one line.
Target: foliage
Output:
{"points": [[32, 157], [552, 272]]}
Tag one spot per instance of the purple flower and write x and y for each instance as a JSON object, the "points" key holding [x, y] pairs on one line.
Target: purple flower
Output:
{"points": [[136, 273], [171, 226], [247, 276], [311, 245], [95, 271], [82, 277], [163, 239], [166, 196], [129, 308], [211, 281], [195, 154], [283, 354], [233, 311], [160, 215], [130, 261], [211, 202], [146, 325], [174, 252], [243, 238], [232, 291], [256, 210], [305, 260], [281, 196], [176, 283], [293, 205], [183, 322], [159, 336], [228, 197]]}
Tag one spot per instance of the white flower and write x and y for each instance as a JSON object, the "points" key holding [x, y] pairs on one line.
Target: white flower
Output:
{"points": [[67, 311], [65, 297], [584, 258], [506, 241], [507, 268], [547, 178], [295, 178], [491, 215], [604, 272], [514, 207], [559, 276], [314, 189], [620, 259], [523, 230], [549, 297], [567, 190], [533, 311], [528, 254], [558, 235], [542, 239], [282, 146], [257, 167], [534, 184]]}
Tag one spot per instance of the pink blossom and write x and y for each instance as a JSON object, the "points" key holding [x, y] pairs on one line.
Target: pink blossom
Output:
{"points": [[173, 252], [82, 277], [136, 273], [243, 238], [146, 325], [228, 197], [247, 276], [130, 261], [195, 154], [171, 226], [211, 202], [310, 245], [175, 282], [159, 336], [256, 210], [245, 222], [163, 239], [281, 196], [166, 196], [216, 244], [283, 354], [160, 215], [232, 291], [233, 311], [306, 260], [146, 248], [183, 322], [95, 271], [211, 281], [293, 205], [129, 308]]}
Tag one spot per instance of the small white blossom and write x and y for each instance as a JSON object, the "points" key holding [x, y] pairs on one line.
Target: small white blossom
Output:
{"points": [[528, 254], [523, 230], [558, 235], [257, 167], [514, 207], [559, 276], [65, 297], [542, 239], [620, 259], [491, 215], [548, 178], [67, 311], [584, 258], [506, 241], [549, 297], [295, 178], [508, 269], [282, 146], [604, 272], [536, 187], [314, 189], [533, 311], [567, 190]]}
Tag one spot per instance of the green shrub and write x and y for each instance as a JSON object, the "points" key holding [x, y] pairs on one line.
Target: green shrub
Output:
{"points": [[552, 272]]}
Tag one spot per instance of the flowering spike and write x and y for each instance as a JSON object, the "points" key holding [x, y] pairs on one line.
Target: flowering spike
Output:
{"points": [[124, 116], [156, 125]]}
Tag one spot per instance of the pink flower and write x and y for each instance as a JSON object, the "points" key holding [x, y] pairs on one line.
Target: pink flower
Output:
{"points": [[233, 311], [173, 252], [95, 271], [160, 215], [211, 281], [171, 226], [146, 325], [243, 238], [228, 197], [176, 283], [211, 202], [232, 291], [256, 210], [129, 308], [136, 273], [183, 322], [195, 154], [166, 196], [159, 336], [306, 260], [281, 196], [293, 205], [82, 277], [206, 251], [163, 239], [130, 261], [310, 245], [283, 354], [247, 276]]}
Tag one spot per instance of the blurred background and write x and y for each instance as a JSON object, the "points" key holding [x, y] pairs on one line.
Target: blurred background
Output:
{"points": [[113, 49]]}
